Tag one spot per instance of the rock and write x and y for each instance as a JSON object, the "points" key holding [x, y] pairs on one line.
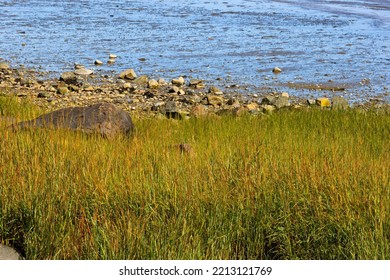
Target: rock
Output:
{"points": [[78, 66], [268, 100], [252, 106], [281, 101], [112, 56], [162, 82], [198, 111], [69, 78], [4, 66], [276, 70], [277, 101], [43, 95], [83, 71], [171, 111], [111, 61], [174, 89], [215, 90], [8, 253], [128, 74], [214, 100], [195, 82], [285, 94], [62, 90], [339, 103], [98, 62], [153, 84], [184, 148], [268, 109], [141, 80], [323, 102], [104, 118], [179, 81], [240, 111]]}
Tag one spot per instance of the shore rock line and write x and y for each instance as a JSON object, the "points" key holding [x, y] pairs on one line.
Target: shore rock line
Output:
{"points": [[145, 97]]}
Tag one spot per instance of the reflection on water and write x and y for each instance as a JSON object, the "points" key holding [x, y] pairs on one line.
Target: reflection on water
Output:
{"points": [[239, 41]]}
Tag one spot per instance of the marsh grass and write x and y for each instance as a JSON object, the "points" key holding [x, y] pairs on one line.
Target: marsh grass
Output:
{"points": [[294, 185]]}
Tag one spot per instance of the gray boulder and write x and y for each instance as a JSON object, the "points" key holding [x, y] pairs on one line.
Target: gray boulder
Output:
{"points": [[104, 118], [8, 253], [339, 103]]}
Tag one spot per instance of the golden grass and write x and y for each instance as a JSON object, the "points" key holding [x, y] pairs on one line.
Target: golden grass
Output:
{"points": [[294, 185]]}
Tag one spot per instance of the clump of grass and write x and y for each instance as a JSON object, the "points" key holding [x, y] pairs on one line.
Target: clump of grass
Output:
{"points": [[294, 185]]}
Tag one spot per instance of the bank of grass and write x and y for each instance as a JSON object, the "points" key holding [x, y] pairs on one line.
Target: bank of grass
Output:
{"points": [[295, 185]]}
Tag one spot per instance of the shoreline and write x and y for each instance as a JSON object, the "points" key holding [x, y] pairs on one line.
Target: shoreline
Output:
{"points": [[181, 97]]}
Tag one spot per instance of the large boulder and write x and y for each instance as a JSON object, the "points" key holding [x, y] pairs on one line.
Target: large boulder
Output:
{"points": [[104, 118], [8, 253]]}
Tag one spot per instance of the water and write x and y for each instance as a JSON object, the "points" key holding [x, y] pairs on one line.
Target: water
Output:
{"points": [[340, 42]]}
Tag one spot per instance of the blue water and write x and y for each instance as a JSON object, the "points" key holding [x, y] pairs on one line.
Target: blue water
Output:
{"points": [[238, 41]]}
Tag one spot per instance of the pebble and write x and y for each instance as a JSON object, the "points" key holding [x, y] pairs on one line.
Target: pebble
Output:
{"points": [[112, 56]]}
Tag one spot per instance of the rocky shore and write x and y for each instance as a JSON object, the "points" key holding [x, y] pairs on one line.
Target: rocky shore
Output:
{"points": [[181, 97]]}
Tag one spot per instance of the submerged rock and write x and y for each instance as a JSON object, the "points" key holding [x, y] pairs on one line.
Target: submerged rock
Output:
{"points": [[104, 118]]}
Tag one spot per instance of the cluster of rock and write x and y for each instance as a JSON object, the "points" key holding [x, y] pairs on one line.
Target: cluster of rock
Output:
{"points": [[179, 98]]}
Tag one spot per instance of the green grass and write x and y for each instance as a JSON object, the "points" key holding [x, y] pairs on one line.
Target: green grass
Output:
{"points": [[309, 184]]}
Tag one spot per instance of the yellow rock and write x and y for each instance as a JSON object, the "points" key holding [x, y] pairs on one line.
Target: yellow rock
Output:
{"points": [[323, 102]]}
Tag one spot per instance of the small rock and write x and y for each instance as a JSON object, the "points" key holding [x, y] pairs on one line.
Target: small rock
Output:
{"points": [[268, 100], [174, 89], [339, 102], [323, 102], [98, 62], [276, 70], [252, 106], [215, 90], [179, 81], [89, 88], [162, 82], [68, 78], [141, 80], [78, 66], [171, 111], [198, 111], [285, 94], [83, 71], [43, 95], [184, 148], [112, 56], [62, 90], [4, 66], [268, 109], [311, 101], [214, 100], [128, 74], [153, 84], [281, 102], [111, 61]]}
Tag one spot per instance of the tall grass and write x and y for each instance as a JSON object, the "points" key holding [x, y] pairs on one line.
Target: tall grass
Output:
{"points": [[294, 185]]}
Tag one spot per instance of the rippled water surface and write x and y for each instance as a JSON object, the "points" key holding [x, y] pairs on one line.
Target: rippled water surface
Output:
{"points": [[238, 41]]}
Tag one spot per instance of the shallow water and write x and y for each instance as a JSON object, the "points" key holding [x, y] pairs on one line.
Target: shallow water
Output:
{"points": [[340, 42]]}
